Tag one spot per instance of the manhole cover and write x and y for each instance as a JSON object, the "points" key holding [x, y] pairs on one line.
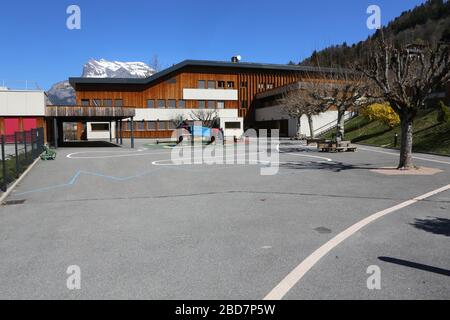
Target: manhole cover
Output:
{"points": [[13, 202], [322, 230]]}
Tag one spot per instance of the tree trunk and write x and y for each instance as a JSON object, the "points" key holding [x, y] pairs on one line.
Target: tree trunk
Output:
{"points": [[340, 130], [299, 127], [311, 126], [406, 162]]}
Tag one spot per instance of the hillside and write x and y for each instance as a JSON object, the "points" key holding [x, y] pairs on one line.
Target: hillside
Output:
{"points": [[429, 22], [429, 135]]}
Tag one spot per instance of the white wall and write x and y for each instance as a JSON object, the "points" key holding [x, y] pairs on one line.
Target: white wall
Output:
{"points": [[22, 103], [232, 132], [210, 94], [170, 114], [100, 135], [276, 113]]}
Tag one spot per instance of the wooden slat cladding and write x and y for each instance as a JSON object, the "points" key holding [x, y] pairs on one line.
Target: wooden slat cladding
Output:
{"points": [[248, 82]]}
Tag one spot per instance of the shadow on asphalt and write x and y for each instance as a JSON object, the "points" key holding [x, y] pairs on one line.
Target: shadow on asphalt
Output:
{"points": [[434, 225], [415, 265], [89, 144], [328, 166]]}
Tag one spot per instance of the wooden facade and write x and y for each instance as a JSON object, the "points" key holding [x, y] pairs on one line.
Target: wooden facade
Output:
{"points": [[247, 79]]}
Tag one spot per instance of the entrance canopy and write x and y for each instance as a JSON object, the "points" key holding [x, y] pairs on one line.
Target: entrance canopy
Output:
{"points": [[62, 114]]}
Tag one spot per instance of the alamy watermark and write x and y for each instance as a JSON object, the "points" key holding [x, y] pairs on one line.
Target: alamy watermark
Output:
{"points": [[255, 148], [73, 21], [374, 20], [74, 280], [374, 281]]}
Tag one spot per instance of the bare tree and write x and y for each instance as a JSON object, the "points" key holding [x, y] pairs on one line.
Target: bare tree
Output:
{"points": [[300, 102], [178, 121], [208, 118], [404, 76], [346, 91]]}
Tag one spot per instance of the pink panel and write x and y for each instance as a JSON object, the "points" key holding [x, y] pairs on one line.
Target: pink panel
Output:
{"points": [[11, 125], [29, 123]]}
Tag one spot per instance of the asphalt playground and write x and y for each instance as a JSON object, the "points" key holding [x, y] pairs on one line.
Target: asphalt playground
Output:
{"points": [[141, 227]]}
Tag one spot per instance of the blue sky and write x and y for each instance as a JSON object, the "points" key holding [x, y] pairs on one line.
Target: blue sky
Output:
{"points": [[37, 46]]}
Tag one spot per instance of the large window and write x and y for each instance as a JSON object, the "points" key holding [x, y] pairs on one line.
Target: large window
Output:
{"points": [[151, 125], [201, 84], [97, 102], [220, 104], [201, 104], [182, 104], [230, 84], [211, 84], [221, 84], [162, 125], [85, 102], [118, 103], [211, 104], [261, 86], [107, 103], [161, 103], [150, 103], [100, 127], [270, 86], [140, 125], [171, 126], [172, 104]]}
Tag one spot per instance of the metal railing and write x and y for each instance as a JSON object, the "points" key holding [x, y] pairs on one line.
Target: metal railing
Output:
{"points": [[18, 151], [332, 125]]}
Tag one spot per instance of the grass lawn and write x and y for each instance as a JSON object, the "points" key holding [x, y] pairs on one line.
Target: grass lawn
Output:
{"points": [[429, 135]]}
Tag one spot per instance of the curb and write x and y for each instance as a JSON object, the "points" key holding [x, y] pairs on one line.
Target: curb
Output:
{"points": [[14, 185]]}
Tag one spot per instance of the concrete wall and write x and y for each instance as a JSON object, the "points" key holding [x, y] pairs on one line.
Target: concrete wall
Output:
{"points": [[276, 113], [22, 103]]}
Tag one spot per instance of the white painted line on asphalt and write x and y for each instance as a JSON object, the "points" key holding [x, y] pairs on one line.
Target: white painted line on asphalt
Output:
{"points": [[309, 156], [298, 273], [414, 157]]}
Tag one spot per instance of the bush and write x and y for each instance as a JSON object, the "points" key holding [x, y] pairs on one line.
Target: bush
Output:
{"points": [[443, 113], [381, 112]]}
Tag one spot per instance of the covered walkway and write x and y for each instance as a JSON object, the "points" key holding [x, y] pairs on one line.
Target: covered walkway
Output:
{"points": [[57, 115]]}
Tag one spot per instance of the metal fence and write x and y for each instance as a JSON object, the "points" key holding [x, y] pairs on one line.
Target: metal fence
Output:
{"points": [[18, 151]]}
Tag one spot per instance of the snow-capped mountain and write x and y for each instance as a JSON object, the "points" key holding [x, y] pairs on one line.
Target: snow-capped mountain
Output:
{"points": [[116, 69], [62, 93]]}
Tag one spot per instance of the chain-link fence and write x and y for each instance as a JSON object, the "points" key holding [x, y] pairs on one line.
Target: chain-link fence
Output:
{"points": [[18, 151]]}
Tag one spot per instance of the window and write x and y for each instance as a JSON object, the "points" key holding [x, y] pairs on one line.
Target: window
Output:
{"points": [[221, 84], [161, 125], [118, 103], [261, 86], [100, 126], [220, 104], [269, 86], [96, 102], [211, 84], [232, 125], [211, 104], [107, 103], [151, 125], [126, 126], [201, 104], [172, 104], [140, 125], [181, 104], [85, 102], [201, 84], [244, 84], [171, 126], [161, 103], [230, 84], [150, 103]]}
